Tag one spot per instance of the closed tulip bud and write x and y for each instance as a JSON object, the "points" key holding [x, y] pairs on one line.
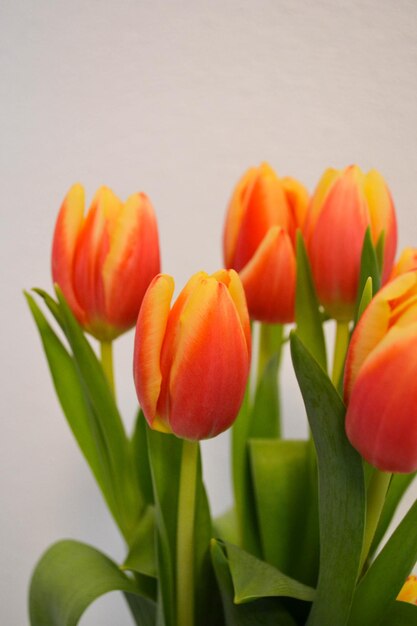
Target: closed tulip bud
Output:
{"points": [[380, 378], [406, 263], [191, 361], [259, 241], [408, 592], [343, 206], [104, 261]]}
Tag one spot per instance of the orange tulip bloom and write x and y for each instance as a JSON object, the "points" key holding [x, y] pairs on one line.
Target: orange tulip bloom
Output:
{"points": [[104, 261], [344, 204], [380, 378], [408, 592], [262, 218], [406, 263], [191, 361]]}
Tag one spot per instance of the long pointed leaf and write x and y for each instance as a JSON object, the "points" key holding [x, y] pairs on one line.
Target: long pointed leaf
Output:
{"points": [[384, 579], [341, 492], [309, 325]]}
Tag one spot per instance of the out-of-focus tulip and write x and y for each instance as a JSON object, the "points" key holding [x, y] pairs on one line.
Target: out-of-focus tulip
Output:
{"points": [[104, 261], [344, 204], [380, 378], [406, 263], [191, 362], [261, 222], [408, 592]]}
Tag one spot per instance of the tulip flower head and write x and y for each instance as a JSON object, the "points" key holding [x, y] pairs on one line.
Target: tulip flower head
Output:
{"points": [[343, 206], [104, 261], [406, 263], [191, 361], [259, 241], [380, 378], [408, 592]]}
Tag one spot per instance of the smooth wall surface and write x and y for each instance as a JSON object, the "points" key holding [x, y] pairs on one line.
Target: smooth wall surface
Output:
{"points": [[176, 99]]}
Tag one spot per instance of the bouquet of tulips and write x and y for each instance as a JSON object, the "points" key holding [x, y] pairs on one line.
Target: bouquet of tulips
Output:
{"points": [[302, 542]]}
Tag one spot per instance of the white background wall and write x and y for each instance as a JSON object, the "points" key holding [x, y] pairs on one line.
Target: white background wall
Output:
{"points": [[176, 99]]}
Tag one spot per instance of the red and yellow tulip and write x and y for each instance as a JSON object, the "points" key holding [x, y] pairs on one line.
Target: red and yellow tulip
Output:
{"points": [[406, 263], [191, 361], [408, 592], [104, 261], [380, 378], [259, 234], [345, 203]]}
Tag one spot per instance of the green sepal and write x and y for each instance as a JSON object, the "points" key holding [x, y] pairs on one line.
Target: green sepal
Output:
{"points": [[341, 492], [69, 577]]}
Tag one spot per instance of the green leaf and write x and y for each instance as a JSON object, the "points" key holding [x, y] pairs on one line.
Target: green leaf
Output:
{"points": [[308, 319], [369, 269], [379, 251], [383, 581], [69, 577], [142, 555], [341, 492], [263, 612], [97, 389], [398, 486], [400, 614], [285, 484], [365, 298], [254, 579], [74, 403], [225, 526], [140, 457]]}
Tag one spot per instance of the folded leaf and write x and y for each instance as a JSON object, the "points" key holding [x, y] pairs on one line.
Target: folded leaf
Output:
{"points": [[69, 577]]}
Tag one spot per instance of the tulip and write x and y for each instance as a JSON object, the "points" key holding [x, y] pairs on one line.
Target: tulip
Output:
{"points": [[406, 263], [104, 261], [380, 378], [343, 206], [191, 361], [408, 592], [259, 241]]}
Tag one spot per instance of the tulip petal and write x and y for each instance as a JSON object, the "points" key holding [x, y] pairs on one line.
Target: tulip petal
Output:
{"points": [[91, 251], [68, 227], [382, 412], [150, 333], [335, 245], [406, 263], [234, 217], [133, 260], [266, 206], [231, 279], [297, 198], [374, 324], [325, 184], [382, 216], [269, 279], [210, 366]]}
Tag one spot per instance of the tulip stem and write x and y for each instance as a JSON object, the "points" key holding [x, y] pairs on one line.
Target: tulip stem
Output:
{"points": [[340, 349], [106, 353], [185, 533], [377, 491], [270, 343]]}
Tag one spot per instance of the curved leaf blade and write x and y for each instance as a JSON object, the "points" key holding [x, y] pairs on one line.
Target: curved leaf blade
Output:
{"points": [[341, 492], [69, 577]]}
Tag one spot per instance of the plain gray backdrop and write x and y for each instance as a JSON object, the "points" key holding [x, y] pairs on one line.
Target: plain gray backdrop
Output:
{"points": [[176, 99]]}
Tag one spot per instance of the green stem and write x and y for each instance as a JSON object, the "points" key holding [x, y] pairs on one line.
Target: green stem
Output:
{"points": [[185, 533], [377, 490], [340, 349], [106, 353], [270, 343]]}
